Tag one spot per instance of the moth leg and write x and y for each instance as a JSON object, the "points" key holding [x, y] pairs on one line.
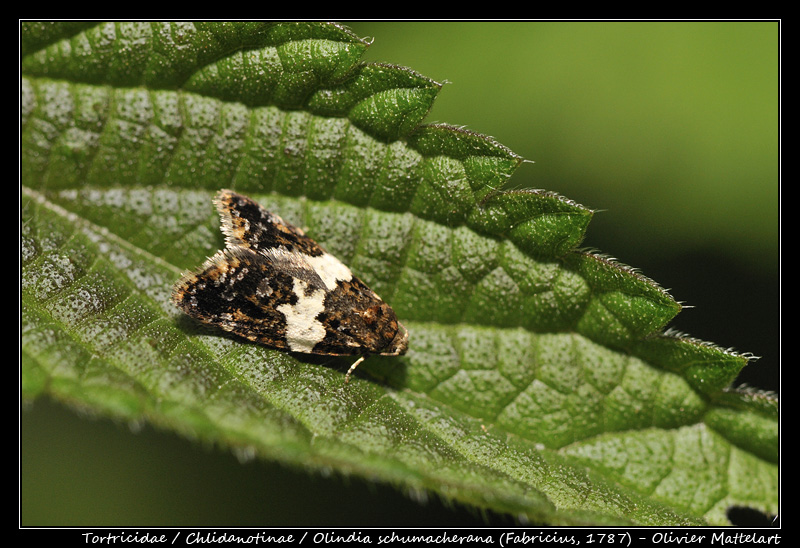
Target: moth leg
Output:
{"points": [[353, 368]]}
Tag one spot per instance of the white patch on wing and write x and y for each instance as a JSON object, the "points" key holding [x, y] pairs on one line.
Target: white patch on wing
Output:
{"points": [[303, 330], [330, 269]]}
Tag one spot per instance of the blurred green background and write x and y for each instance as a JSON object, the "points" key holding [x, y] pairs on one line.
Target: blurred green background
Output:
{"points": [[670, 128]]}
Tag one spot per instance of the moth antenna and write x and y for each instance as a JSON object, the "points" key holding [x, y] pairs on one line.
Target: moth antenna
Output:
{"points": [[352, 368]]}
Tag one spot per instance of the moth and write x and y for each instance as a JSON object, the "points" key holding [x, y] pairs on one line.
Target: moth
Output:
{"points": [[275, 286]]}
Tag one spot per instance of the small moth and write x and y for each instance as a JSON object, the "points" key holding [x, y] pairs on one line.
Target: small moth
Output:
{"points": [[275, 286]]}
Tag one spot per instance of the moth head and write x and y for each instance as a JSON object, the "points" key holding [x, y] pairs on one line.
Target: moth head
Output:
{"points": [[399, 344]]}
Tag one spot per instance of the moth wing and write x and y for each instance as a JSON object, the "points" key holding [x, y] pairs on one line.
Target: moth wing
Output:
{"points": [[246, 224], [278, 299], [275, 298], [241, 292]]}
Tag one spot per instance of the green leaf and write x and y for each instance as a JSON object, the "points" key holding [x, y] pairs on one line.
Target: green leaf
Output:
{"points": [[539, 380]]}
